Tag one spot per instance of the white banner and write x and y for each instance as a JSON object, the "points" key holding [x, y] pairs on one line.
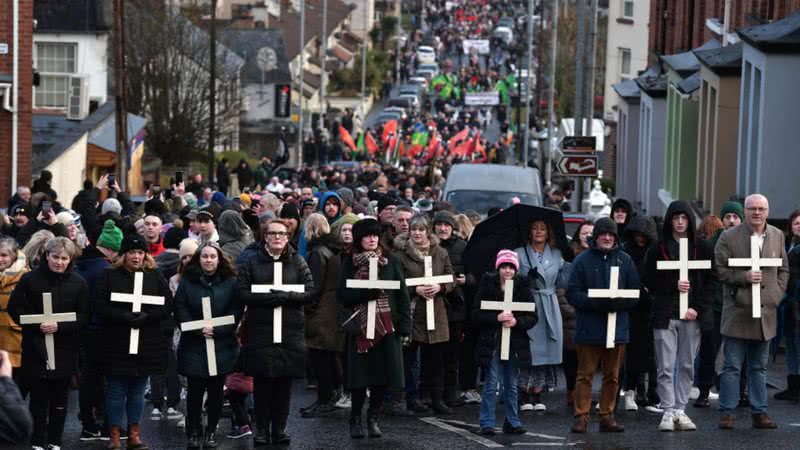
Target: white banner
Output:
{"points": [[482, 98], [481, 44]]}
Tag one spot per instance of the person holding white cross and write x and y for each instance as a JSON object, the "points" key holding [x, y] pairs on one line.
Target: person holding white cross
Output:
{"points": [[750, 262], [513, 292], [50, 304], [427, 269], [274, 283], [374, 356], [680, 309], [207, 308], [603, 267], [132, 301]]}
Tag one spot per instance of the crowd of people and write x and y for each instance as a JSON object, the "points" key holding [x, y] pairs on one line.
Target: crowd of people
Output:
{"points": [[277, 267]]}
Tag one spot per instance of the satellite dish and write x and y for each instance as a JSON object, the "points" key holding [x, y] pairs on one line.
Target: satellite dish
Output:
{"points": [[267, 59]]}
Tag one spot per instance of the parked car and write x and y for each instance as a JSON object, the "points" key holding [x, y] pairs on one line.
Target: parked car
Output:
{"points": [[412, 99], [426, 55], [485, 186]]}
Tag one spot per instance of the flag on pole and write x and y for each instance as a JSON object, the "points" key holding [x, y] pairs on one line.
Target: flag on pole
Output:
{"points": [[372, 146], [419, 138], [389, 128], [460, 136], [360, 145], [344, 135]]}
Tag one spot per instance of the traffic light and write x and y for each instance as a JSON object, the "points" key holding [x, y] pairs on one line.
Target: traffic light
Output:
{"points": [[283, 100]]}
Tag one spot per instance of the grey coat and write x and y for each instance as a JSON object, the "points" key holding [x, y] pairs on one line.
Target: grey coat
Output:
{"points": [[737, 317]]}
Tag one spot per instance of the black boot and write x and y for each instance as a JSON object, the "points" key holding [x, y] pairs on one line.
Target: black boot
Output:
{"points": [[397, 406], [372, 426], [702, 399], [193, 441], [416, 406], [792, 392], [356, 429], [437, 404]]}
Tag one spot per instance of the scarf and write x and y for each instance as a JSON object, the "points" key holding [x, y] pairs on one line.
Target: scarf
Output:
{"points": [[383, 313]]}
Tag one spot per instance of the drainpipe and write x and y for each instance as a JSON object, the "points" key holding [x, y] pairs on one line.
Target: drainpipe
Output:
{"points": [[726, 23], [15, 95]]}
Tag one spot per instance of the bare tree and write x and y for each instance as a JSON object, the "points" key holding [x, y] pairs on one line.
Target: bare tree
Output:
{"points": [[168, 81]]}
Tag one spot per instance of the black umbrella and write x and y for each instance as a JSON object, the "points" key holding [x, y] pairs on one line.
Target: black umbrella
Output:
{"points": [[510, 229]]}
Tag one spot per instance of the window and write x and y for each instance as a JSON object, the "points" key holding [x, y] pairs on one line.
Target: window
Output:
{"points": [[55, 62], [627, 9], [624, 61]]}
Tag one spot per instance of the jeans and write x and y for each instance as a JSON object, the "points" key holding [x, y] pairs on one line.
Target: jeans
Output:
{"points": [[735, 351], [48, 408], [793, 351], [124, 396], [676, 347], [197, 386], [508, 373]]}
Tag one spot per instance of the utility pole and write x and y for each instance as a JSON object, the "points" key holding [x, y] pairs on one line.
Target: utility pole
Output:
{"points": [[300, 80], [591, 58], [364, 66], [212, 92], [580, 92], [324, 76], [399, 32], [551, 114], [121, 113], [528, 78]]}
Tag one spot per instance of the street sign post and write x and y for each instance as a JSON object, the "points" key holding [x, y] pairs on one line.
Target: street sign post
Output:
{"points": [[578, 165]]}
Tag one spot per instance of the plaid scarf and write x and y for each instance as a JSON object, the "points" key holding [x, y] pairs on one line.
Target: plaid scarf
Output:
{"points": [[383, 313]]}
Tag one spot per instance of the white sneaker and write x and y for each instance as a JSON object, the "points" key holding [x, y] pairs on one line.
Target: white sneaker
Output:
{"points": [[526, 407], [694, 393], [630, 401], [155, 414], [174, 414], [658, 409], [667, 422], [53, 447], [683, 422], [539, 407], [344, 402], [713, 395], [36, 447], [472, 397]]}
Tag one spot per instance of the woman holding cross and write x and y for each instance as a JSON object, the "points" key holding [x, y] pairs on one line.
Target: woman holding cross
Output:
{"points": [[126, 371], [209, 274], [273, 364], [52, 282]]}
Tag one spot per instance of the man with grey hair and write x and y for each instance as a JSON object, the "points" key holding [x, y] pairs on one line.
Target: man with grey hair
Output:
{"points": [[745, 336], [21, 197]]}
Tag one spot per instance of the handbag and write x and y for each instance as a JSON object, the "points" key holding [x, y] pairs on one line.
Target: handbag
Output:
{"points": [[239, 382]]}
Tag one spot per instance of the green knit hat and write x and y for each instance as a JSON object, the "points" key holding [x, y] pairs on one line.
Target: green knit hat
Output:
{"points": [[347, 218], [111, 237], [731, 207]]}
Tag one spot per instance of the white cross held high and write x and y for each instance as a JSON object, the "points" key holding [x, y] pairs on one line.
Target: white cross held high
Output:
{"points": [[507, 305], [613, 292], [277, 285], [372, 283], [209, 321], [755, 262], [429, 278], [137, 300], [48, 316], [683, 265]]}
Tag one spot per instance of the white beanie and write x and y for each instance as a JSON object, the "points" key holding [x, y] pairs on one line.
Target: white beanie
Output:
{"points": [[111, 205]]}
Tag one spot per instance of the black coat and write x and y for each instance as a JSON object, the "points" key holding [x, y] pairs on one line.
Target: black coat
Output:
{"points": [[456, 309], [325, 263], [152, 356], [260, 356], [69, 294], [490, 328]]}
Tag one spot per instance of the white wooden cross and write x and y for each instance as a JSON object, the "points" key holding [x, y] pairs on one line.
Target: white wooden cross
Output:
{"points": [[683, 265], [613, 292], [429, 279], [48, 317], [209, 321], [137, 299], [755, 262], [507, 305], [372, 283], [277, 285]]}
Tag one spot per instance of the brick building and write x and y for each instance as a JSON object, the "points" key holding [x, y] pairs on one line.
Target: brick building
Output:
{"points": [[677, 26], [23, 107]]}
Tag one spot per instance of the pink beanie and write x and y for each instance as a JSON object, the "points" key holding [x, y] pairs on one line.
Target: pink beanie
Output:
{"points": [[507, 257]]}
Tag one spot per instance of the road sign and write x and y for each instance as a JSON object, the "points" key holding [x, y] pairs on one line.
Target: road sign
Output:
{"points": [[581, 144], [578, 165]]}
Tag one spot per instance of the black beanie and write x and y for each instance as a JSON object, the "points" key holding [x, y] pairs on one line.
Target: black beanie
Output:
{"points": [[289, 211], [173, 237], [385, 201], [132, 242], [605, 225], [365, 227]]}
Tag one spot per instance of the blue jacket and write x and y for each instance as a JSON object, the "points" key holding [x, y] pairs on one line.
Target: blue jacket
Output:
{"points": [[302, 242], [592, 270]]}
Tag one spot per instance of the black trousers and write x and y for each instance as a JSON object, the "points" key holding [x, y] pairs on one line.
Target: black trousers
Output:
{"points": [[197, 386], [325, 365], [92, 393], [431, 364], [238, 403], [48, 408], [166, 385], [272, 397], [451, 357], [376, 394], [468, 375], [570, 367]]}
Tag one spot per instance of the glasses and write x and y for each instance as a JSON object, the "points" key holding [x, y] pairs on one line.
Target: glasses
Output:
{"points": [[273, 234], [758, 210]]}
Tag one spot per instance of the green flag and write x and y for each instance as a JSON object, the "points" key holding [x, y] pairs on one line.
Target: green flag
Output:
{"points": [[360, 146], [419, 138]]}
